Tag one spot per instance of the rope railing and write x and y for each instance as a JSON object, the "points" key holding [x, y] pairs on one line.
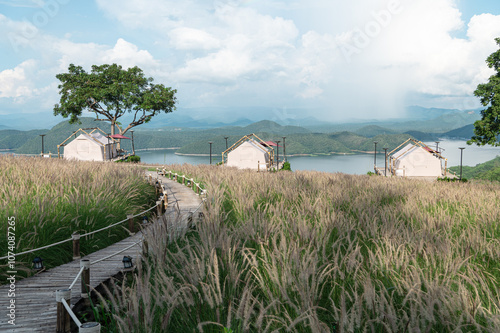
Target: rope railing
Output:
{"points": [[83, 235]]}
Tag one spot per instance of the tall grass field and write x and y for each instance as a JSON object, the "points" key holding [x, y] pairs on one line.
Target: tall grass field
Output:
{"points": [[318, 252], [50, 199]]}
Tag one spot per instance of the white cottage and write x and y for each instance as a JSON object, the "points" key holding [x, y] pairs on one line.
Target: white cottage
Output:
{"points": [[415, 159], [92, 146], [249, 152]]}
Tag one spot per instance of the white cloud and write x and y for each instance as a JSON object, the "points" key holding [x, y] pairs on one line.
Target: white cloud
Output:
{"points": [[16, 83], [184, 38]]}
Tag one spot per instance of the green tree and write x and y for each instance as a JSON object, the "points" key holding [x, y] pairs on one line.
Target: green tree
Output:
{"points": [[110, 92], [487, 129]]}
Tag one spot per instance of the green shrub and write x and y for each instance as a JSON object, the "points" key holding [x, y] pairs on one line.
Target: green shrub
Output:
{"points": [[286, 166]]}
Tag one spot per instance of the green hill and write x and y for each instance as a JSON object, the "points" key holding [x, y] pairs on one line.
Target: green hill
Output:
{"points": [[13, 139], [487, 171], [370, 131], [57, 135]]}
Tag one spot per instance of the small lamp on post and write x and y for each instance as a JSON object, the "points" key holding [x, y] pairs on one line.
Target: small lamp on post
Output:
{"points": [[210, 143], [145, 220], [225, 138], [38, 263], [127, 262], [375, 158], [461, 156]]}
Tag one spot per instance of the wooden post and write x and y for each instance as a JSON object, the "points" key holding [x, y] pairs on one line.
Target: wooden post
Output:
{"points": [[130, 223], [76, 245], [85, 278], [63, 319], [150, 180], [158, 208], [145, 247]]}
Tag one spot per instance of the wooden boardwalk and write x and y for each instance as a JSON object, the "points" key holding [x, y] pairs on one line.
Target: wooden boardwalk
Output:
{"points": [[35, 298]]}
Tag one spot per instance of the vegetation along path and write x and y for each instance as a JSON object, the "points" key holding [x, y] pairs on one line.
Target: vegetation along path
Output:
{"points": [[35, 299]]}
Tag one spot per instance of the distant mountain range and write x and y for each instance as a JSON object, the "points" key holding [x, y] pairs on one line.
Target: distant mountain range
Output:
{"points": [[414, 118], [321, 139]]}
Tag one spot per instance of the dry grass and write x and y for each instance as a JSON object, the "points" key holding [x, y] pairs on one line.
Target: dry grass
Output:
{"points": [[318, 252], [51, 199]]}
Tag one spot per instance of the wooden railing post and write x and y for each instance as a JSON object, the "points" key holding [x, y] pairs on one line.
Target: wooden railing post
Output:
{"points": [[131, 223], [63, 319], [76, 245], [158, 208], [85, 263]]}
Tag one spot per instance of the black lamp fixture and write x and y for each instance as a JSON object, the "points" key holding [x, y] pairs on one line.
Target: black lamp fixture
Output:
{"points": [[226, 137], [127, 262], [38, 263], [145, 220]]}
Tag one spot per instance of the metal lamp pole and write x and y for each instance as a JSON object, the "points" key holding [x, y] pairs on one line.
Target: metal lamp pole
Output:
{"points": [[133, 148], [210, 142], [278, 154], [284, 149], [385, 173], [437, 146], [42, 135], [375, 158], [226, 137], [461, 156]]}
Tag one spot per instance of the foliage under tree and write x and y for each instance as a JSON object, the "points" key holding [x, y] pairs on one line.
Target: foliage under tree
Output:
{"points": [[111, 91], [487, 129]]}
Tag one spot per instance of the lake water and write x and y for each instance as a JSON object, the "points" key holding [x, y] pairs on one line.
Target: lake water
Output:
{"points": [[351, 164]]}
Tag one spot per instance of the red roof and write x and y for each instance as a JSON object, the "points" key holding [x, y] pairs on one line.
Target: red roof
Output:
{"points": [[270, 143], [119, 136]]}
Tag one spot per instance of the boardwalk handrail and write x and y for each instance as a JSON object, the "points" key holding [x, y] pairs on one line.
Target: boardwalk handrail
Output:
{"points": [[61, 294], [87, 234]]}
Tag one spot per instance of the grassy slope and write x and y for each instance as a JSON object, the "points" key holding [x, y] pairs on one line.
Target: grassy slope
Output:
{"points": [[317, 252], [487, 171], [50, 199]]}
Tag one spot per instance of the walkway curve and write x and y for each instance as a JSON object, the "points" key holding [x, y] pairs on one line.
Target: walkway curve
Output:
{"points": [[35, 300]]}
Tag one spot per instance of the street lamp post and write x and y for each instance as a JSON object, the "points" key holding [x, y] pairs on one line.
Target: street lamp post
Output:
{"points": [[437, 146], [385, 173], [133, 147], [210, 142], [461, 156], [278, 155], [375, 158], [42, 135], [284, 149], [226, 137]]}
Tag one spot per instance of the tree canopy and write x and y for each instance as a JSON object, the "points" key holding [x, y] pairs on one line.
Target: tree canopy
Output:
{"points": [[111, 91], [487, 129]]}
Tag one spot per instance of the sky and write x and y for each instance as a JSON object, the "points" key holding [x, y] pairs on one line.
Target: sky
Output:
{"points": [[330, 59]]}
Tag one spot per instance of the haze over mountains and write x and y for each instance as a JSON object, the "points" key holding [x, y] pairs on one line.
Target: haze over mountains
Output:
{"points": [[311, 137]]}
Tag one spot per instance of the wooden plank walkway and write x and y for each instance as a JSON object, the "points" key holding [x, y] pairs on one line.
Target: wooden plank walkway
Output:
{"points": [[35, 296]]}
